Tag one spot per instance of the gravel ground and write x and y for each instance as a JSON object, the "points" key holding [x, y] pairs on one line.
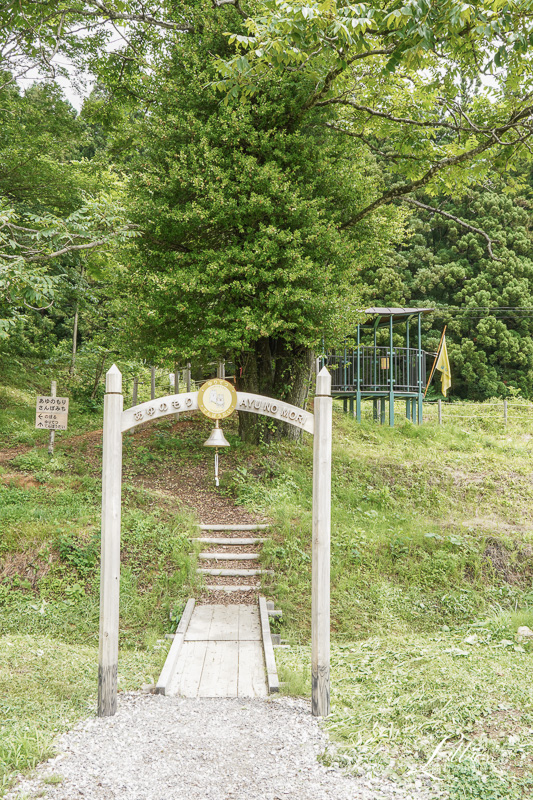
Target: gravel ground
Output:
{"points": [[168, 748]]}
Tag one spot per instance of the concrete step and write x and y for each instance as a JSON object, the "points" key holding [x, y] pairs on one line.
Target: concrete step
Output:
{"points": [[221, 540], [255, 527], [234, 573], [228, 556]]}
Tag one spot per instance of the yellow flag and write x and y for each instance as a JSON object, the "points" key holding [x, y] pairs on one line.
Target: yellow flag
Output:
{"points": [[443, 364]]}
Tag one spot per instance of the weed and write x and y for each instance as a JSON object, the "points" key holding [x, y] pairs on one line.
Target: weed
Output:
{"points": [[53, 780]]}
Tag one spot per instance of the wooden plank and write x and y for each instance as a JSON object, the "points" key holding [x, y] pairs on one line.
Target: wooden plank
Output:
{"points": [[171, 660], [254, 527], [249, 624], [320, 568], [226, 540], [268, 650], [110, 545], [228, 556], [220, 670], [189, 668], [231, 587], [252, 681], [233, 573], [199, 624], [224, 624]]}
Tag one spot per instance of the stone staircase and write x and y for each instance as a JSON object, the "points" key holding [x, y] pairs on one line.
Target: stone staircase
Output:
{"points": [[229, 561]]}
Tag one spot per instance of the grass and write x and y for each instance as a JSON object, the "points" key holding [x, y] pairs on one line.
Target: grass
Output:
{"points": [[432, 574], [46, 685], [413, 704]]}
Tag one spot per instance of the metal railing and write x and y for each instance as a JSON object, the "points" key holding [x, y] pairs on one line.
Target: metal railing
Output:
{"points": [[375, 369]]}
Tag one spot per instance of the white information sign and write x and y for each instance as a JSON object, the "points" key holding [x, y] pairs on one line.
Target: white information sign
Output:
{"points": [[51, 413]]}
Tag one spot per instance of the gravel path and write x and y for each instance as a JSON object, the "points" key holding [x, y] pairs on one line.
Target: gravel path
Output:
{"points": [[168, 748]]}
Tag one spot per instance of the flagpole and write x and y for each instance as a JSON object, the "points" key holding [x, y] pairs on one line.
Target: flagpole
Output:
{"points": [[436, 359]]}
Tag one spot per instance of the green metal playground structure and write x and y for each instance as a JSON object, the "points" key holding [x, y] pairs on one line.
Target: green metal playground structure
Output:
{"points": [[382, 373]]}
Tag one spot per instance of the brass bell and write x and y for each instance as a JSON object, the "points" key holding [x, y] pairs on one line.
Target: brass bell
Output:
{"points": [[217, 438]]}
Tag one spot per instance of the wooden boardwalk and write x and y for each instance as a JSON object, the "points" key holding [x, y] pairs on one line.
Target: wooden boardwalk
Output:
{"points": [[221, 655]]}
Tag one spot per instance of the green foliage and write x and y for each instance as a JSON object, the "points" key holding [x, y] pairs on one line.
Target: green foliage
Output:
{"points": [[83, 556], [491, 352], [472, 781], [394, 78], [243, 210]]}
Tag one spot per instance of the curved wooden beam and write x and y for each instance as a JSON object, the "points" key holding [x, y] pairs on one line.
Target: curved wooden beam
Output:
{"points": [[188, 401]]}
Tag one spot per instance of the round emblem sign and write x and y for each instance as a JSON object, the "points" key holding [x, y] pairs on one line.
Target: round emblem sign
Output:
{"points": [[217, 399]]}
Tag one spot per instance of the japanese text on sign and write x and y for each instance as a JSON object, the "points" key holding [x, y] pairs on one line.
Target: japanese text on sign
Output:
{"points": [[52, 413]]}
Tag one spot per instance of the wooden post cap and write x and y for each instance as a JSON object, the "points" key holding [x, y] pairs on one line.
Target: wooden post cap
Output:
{"points": [[113, 380], [323, 382]]}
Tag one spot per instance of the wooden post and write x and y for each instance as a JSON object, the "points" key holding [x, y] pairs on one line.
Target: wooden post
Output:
{"points": [[358, 396], [188, 376], [440, 411], [176, 385], [419, 410], [135, 391], [110, 558], [320, 617], [391, 375], [152, 383], [51, 440], [221, 369], [505, 412]]}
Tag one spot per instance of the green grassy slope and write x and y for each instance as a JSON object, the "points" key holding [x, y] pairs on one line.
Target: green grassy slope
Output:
{"points": [[432, 574]]}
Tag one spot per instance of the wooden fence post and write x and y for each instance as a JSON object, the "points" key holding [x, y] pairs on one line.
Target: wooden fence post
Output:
{"points": [[320, 606], [176, 385], [110, 558], [53, 393], [152, 383], [505, 412], [440, 411], [135, 391], [188, 376]]}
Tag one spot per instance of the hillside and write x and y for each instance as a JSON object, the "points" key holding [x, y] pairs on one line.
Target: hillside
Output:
{"points": [[432, 570]]}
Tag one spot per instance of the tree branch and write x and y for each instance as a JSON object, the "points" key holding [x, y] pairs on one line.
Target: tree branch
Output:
{"points": [[114, 16], [334, 73], [407, 188], [389, 116], [459, 221], [389, 156], [67, 249]]}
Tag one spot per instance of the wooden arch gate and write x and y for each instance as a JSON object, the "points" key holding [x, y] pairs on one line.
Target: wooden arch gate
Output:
{"points": [[116, 422]]}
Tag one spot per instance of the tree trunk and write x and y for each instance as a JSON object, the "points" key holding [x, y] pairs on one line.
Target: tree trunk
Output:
{"points": [[275, 369], [75, 328], [99, 372]]}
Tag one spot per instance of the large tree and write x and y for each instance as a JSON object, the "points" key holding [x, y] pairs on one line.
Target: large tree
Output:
{"points": [[391, 74], [55, 204], [246, 252]]}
